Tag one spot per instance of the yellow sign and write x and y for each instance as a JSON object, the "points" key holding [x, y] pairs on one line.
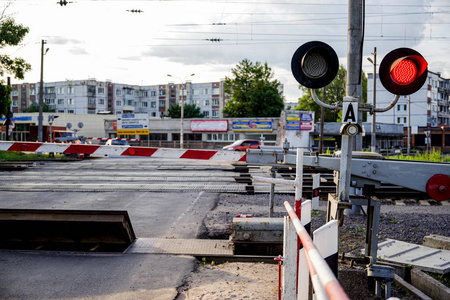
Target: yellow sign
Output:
{"points": [[132, 131]]}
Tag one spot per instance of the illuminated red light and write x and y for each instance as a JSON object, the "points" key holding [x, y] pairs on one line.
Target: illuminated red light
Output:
{"points": [[404, 72]]}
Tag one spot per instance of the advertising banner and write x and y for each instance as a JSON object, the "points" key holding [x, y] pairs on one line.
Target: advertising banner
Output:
{"points": [[252, 125], [209, 125], [299, 120], [132, 124]]}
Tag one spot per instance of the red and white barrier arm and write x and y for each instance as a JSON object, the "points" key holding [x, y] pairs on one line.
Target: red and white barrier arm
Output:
{"points": [[116, 139], [213, 155], [329, 282]]}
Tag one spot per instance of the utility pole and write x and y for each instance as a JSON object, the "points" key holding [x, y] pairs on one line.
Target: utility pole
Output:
{"points": [[373, 143], [322, 117], [41, 92], [8, 113], [183, 88], [354, 92]]}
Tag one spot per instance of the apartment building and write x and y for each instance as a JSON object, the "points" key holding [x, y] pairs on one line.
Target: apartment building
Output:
{"points": [[430, 106], [105, 97]]}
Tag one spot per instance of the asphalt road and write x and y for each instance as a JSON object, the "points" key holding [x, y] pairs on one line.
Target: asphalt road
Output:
{"points": [[164, 198]]}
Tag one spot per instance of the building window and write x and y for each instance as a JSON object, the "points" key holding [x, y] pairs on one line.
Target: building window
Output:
{"points": [[206, 114], [15, 103], [153, 93], [222, 137], [215, 102], [196, 92], [60, 90], [153, 104], [162, 103], [32, 91], [60, 101], [207, 102], [144, 104], [70, 111], [118, 92], [101, 101], [49, 101], [215, 113], [70, 101], [162, 92], [118, 103], [70, 90], [205, 91], [215, 91], [101, 90], [91, 100]]}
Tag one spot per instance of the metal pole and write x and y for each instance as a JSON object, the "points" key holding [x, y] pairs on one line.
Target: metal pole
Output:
{"points": [[322, 117], [272, 193], [354, 62], [8, 113], [41, 93], [373, 143], [182, 114], [409, 126]]}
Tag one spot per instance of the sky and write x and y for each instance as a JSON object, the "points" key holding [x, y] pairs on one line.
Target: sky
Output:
{"points": [[104, 40]]}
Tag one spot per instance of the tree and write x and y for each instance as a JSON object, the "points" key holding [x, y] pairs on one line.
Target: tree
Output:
{"points": [[335, 92], [254, 92], [190, 111], [11, 34], [34, 107]]}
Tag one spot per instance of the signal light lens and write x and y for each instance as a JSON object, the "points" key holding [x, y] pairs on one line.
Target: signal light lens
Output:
{"points": [[314, 64], [404, 72]]}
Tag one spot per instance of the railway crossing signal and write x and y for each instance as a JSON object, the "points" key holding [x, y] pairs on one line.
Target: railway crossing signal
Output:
{"points": [[314, 64], [403, 71]]}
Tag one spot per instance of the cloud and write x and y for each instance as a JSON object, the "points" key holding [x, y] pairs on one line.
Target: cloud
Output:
{"points": [[78, 51]]}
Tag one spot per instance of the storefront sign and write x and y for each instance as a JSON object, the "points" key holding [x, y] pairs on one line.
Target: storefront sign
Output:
{"points": [[252, 125]]}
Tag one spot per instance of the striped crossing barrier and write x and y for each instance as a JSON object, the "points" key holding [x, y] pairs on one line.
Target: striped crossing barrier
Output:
{"points": [[212, 155], [116, 139], [327, 279]]}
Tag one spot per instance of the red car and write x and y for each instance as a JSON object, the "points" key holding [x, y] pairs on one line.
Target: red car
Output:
{"points": [[243, 145]]}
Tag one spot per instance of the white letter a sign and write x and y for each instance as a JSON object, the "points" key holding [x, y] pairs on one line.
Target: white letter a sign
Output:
{"points": [[349, 113]]}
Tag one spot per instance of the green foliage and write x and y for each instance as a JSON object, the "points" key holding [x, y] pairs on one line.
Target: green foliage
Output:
{"points": [[334, 93], [34, 107], [11, 34], [5, 98], [190, 111], [254, 92], [17, 155], [434, 156]]}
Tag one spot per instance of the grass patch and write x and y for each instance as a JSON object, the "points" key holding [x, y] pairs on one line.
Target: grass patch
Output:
{"points": [[18, 155], [433, 156]]}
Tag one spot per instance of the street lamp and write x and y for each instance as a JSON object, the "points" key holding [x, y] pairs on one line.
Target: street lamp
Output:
{"points": [[182, 106], [41, 92], [374, 93]]}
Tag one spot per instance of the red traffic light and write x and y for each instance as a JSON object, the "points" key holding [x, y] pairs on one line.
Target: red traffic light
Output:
{"points": [[403, 71], [314, 64]]}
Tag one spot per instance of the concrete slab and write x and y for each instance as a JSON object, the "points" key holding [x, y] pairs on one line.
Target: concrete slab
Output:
{"points": [[436, 241], [181, 247], [421, 257]]}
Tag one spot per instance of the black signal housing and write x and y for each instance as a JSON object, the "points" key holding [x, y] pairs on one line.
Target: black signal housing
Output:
{"points": [[315, 64]]}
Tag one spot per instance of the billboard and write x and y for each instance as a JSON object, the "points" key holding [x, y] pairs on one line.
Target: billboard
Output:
{"points": [[209, 125], [299, 120], [252, 125], [132, 124]]}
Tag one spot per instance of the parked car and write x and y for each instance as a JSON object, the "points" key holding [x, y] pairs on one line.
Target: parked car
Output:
{"points": [[116, 143], [243, 145]]}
